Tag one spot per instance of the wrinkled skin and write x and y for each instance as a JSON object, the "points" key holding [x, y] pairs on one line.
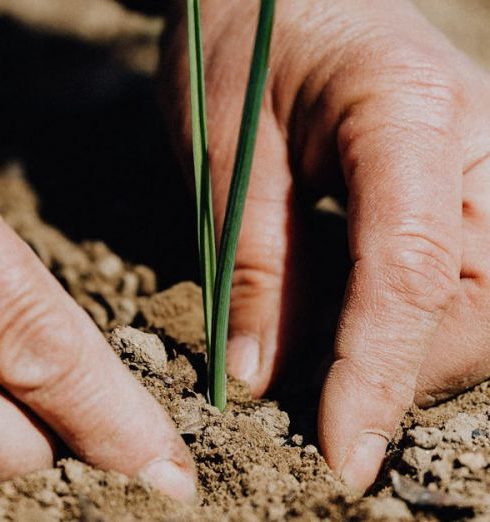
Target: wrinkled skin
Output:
{"points": [[373, 88], [60, 378], [58, 375]]}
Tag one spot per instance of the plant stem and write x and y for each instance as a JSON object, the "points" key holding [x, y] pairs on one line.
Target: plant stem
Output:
{"points": [[205, 223], [236, 202]]}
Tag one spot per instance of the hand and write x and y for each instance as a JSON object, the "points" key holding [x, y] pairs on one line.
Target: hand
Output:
{"points": [[58, 374], [373, 87]]}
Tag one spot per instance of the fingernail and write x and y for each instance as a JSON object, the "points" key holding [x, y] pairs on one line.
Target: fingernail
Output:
{"points": [[171, 479], [243, 357], [363, 462]]}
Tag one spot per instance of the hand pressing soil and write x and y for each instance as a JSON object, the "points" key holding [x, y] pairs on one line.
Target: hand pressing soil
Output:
{"points": [[365, 101]]}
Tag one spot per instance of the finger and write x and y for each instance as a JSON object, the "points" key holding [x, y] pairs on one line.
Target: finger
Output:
{"points": [[25, 445], [459, 357], [55, 361], [263, 268], [402, 162]]}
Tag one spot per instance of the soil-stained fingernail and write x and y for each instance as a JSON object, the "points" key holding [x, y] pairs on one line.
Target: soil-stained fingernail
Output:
{"points": [[171, 479], [363, 462], [243, 357]]}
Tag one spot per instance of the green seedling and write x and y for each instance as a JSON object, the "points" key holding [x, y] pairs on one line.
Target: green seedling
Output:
{"points": [[202, 179], [216, 281]]}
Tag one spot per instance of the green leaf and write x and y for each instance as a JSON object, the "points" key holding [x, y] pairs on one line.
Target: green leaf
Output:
{"points": [[205, 223], [236, 202]]}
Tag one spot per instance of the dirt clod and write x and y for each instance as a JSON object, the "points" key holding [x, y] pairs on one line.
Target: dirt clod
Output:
{"points": [[178, 312], [426, 438], [143, 351], [386, 509]]}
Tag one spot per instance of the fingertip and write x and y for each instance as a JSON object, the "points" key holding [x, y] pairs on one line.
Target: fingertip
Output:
{"points": [[355, 424], [243, 358], [363, 461], [172, 479]]}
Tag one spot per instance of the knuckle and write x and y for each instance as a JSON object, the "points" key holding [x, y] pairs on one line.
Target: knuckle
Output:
{"points": [[422, 273], [250, 282], [385, 379], [419, 70], [36, 330], [437, 95], [440, 87], [406, 94], [423, 73], [34, 343]]}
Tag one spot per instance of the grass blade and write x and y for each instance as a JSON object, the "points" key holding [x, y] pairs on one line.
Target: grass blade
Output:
{"points": [[236, 201], [205, 223]]}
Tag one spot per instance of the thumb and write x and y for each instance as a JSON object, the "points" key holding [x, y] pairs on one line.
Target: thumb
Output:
{"points": [[403, 169], [259, 273]]}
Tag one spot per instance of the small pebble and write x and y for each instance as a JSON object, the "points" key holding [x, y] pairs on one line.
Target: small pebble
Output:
{"points": [[47, 498], [297, 439], [188, 418], [147, 279], [417, 458], [274, 421], [110, 266], [129, 284], [74, 471], [387, 508], [442, 469], [212, 410], [123, 308], [310, 449], [473, 461], [216, 437], [426, 438], [144, 351], [8, 489], [460, 428]]}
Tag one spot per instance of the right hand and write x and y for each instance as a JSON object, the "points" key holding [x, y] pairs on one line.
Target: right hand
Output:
{"points": [[370, 96], [59, 375]]}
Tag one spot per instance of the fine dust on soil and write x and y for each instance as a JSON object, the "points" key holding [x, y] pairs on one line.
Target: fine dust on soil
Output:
{"points": [[250, 465]]}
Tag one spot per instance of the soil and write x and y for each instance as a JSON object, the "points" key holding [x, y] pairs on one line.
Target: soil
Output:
{"points": [[252, 465]]}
